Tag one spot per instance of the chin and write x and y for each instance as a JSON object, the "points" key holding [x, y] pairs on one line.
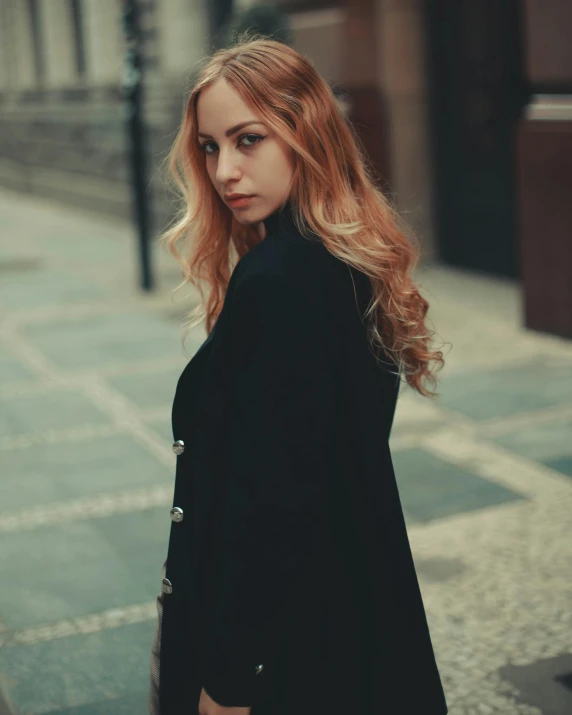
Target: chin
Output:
{"points": [[247, 218]]}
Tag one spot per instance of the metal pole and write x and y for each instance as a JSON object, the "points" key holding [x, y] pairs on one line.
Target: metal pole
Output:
{"points": [[132, 94], [218, 13]]}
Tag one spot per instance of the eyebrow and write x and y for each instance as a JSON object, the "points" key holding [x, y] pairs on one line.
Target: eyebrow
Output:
{"points": [[233, 130]]}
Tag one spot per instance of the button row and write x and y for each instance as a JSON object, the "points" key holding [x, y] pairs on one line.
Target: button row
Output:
{"points": [[177, 516], [176, 513]]}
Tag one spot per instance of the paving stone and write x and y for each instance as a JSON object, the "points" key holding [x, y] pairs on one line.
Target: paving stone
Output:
{"points": [[431, 488], [149, 389], [82, 567], [438, 569], [132, 704], [538, 686], [560, 464], [99, 341], [164, 429], [55, 409], [42, 288], [490, 394], [56, 472], [12, 371], [549, 443], [106, 672]]}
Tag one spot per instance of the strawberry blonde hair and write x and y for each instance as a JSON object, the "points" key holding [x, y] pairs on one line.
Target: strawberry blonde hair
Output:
{"points": [[333, 190]]}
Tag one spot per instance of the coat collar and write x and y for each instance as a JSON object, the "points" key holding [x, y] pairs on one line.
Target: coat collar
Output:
{"points": [[280, 223], [281, 220]]}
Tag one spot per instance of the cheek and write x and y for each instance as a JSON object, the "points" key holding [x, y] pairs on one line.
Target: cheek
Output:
{"points": [[211, 171], [283, 160], [277, 166]]}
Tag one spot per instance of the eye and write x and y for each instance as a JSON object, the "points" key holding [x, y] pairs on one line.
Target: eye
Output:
{"points": [[255, 137]]}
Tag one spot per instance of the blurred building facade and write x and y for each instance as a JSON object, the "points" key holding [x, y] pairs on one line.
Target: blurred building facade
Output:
{"points": [[544, 170], [436, 89], [61, 125], [61, 114]]}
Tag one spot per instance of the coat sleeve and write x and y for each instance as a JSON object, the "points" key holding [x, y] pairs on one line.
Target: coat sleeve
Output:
{"points": [[282, 408]]}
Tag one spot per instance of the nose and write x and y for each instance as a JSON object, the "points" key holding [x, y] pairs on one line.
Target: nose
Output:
{"points": [[228, 166]]}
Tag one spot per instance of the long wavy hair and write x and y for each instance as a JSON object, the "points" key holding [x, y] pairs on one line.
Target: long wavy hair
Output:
{"points": [[333, 190]]}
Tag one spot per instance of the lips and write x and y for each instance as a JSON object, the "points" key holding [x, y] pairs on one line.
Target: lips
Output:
{"points": [[240, 203]]}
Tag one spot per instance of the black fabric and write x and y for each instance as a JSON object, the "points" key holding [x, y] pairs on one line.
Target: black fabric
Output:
{"points": [[293, 552]]}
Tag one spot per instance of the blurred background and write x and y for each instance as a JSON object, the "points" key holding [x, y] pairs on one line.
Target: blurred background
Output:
{"points": [[465, 110]]}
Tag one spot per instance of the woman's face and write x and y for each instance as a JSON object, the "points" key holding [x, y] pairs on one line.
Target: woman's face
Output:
{"points": [[251, 161]]}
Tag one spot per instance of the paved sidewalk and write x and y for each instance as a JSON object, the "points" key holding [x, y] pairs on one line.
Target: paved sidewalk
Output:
{"points": [[88, 368]]}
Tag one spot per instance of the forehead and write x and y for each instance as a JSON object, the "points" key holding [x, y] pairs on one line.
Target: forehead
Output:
{"points": [[220, 107]]}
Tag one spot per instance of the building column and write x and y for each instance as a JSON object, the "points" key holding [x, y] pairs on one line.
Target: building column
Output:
{"points": [[545, 169], [401, 72], [183, 35], [6, 49], [18, 70], [359, 75], [102, 26], [58, 42]]}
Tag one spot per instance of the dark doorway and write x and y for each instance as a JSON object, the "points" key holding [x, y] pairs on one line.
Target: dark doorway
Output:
{"points": [[477, 93]]}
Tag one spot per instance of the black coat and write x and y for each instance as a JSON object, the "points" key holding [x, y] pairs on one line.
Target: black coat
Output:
{"points": [[290, 581]]}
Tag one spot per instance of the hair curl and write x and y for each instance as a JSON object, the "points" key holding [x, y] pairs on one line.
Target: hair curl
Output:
{"points": [[333, 190]]}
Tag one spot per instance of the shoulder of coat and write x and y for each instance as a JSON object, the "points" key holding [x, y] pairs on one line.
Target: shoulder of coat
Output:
{"points": [[297, 259], [320, 281]]}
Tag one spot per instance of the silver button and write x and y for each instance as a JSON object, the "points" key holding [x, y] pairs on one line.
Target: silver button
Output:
{"points": [[179, 446], [167, 586], [176, 514], [259, 668]]}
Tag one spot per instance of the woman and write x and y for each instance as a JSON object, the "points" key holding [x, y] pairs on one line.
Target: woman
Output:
{"points": [[289, 586]]}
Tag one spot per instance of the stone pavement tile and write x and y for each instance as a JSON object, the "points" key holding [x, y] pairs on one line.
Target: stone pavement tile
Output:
{"points": [[109, 667], [12, 372], [82, 567], [545, 683], [437, 569], [561, 464], [489, 394], [132, 704], [549, 443], [56, 472], [101, 340], [148, 389], [35, 226], [431, 488], [163, 428], [109, 249], [33, 289], [5, 354], [55, 409], [415, 416]]}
